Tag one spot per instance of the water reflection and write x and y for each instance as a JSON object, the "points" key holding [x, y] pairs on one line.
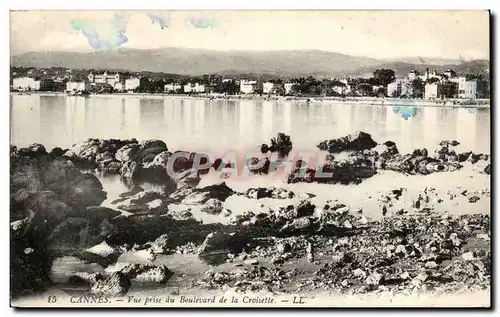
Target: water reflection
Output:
{"points": [[406, 112], [244, 125]]}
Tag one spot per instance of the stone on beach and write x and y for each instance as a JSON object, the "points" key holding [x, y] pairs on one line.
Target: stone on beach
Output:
{"points": [[357, 141], [115, 285]]}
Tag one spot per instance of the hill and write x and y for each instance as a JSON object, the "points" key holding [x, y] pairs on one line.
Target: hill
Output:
{"points": [[199, 62], [195, 62]]}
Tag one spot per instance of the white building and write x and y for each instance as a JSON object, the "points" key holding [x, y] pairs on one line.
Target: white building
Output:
{"points": [[77, 86], [247, 86], [339, 89], [467, 88], [104, 78], [119, 87], [198, 88], [289, 88], [399, 88], [431, 91], [429, 74], [132, 83], [267, 87], [25, 83], [412, 75], [173, 87]]}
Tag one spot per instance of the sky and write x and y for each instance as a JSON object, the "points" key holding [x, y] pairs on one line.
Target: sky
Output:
{"points": [[376, 34]]}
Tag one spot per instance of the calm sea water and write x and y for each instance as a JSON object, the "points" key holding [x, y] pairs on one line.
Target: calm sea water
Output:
{"points": [[219, 126], [237, 125]]}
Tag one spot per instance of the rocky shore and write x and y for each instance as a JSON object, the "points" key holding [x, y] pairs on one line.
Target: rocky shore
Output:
{"points": [[56, 213]]}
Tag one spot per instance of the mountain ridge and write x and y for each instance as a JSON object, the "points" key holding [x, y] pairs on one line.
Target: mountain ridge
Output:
{"points": [[195, 62]]}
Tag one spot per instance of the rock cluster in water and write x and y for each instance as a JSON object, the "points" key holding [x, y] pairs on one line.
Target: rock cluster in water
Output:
{"points": [[55, 212]]}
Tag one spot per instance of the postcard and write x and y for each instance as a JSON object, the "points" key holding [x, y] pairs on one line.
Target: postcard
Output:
{"points": [[250, 159]]}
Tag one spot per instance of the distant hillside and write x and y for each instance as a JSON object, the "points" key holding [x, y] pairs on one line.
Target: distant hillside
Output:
{"points": [[199, 62], [196, 62]]}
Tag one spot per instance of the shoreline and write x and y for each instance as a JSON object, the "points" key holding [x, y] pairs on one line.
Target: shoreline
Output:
{"points": [[285, 240], [373, 101]]}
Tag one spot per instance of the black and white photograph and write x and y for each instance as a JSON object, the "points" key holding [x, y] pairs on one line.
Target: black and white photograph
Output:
{"points": [[218, 158]]}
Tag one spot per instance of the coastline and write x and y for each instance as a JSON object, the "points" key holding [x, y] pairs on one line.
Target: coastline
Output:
{"points": [[373, 101]]}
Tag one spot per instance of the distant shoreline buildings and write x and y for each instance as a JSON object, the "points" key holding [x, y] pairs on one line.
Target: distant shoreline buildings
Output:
{"points": [[426, 85]]}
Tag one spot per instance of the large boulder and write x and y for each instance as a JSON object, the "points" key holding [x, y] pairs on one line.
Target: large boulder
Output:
{"points": [[127, 152], [220, 242], [194, 196], [115, 285], [187, 178], [145, 273], [357, 141], [212, 206]]}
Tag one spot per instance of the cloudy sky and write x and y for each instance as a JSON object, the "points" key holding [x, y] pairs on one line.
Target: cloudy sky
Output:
{"points": [[378, 34]]}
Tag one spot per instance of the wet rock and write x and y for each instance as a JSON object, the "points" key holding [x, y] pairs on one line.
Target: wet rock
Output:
{"points": [[157, 203], [297, 225], [130, 169], [269, 192], [304, 208], [281, 144], [146, 273], [449, 143], [220, 241], [159, 275], [194, 196], [462, 157], [56, 152], [96, 214], [85, 279], [374, 279], [283, 247], [127, 153], [33, 150], [160, 244], [212, 206], [116, 284], [353, 142], [103, 250], [187, 178]]}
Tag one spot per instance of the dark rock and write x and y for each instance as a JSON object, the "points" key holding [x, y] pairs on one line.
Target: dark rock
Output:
{"points": [[96, 214], [85, 279], [201, 195], [264, 148], [282, 144], [353, 142], [449, 143], [147, 273], [187, 178], [116, 284], [212, 206], [127, 152], [269, 192], [153, 144], [160, 244], [304, 208], [220, 242], [297, 225], [462, 157], [56, 152]]}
